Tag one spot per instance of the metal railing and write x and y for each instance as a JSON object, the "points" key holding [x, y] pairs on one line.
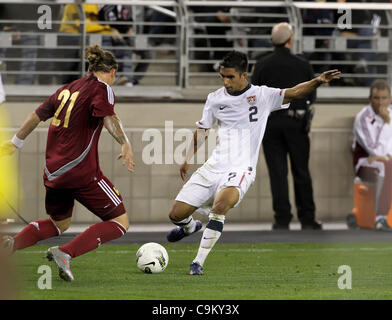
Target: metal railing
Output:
{"points": [[54, 52], [177, 44]]}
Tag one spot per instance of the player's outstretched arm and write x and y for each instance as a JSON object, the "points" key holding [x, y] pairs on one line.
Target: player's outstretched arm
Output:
{"points": [[10, 146], [114, 126], [303, 89], [199, 137]]}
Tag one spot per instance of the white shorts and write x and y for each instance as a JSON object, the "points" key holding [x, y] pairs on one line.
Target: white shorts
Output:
{"points": [[200, 190]]}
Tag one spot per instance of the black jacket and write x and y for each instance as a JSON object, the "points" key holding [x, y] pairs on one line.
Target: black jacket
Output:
{"points": [[282, 69], [111, 13]]}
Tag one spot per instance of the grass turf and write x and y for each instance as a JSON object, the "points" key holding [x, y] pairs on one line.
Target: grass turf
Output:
{"points": [[238, 271]]}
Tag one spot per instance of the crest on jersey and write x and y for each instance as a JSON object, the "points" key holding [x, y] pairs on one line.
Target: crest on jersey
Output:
{"points": [[251, 100]]}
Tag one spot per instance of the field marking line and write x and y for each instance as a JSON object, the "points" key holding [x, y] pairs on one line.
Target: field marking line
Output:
{"points": [[242, 250]]}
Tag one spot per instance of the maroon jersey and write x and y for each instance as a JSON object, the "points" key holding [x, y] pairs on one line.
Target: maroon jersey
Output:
{"points": [[77, 110]]}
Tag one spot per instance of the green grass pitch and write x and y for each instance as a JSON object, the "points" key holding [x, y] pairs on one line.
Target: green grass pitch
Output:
{"points": [[232, 271]]}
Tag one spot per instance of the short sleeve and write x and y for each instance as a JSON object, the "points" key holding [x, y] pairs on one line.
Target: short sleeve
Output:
{"points": [[103, 101], [47, 109], [208, 119], [273, 98]]}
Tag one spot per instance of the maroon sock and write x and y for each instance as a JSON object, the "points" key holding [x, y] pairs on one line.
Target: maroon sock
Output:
{"points": [[93, 237], [35, 231]]}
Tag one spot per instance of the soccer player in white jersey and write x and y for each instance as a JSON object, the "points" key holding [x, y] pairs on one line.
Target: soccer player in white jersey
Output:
{"points": [[241, 110]]}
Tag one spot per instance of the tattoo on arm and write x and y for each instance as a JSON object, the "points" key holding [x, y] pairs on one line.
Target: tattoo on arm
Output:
{"points": [[114, 126]]}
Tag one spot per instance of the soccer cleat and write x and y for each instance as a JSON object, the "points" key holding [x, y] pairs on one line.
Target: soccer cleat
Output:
{"points": [[196, 269], [7, 244], [62, 261], [381, 224], [178, 233]]}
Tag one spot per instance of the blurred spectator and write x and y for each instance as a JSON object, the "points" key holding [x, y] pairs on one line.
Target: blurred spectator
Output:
{"points": [[120, 13], [73, 14], [363, 57], [319, 16], [157, 28], [129, 32], [31, 41], [267, 15], [214, 15]]}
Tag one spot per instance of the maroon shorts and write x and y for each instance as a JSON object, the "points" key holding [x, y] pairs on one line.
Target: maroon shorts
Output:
{"points": [[100, 197]]}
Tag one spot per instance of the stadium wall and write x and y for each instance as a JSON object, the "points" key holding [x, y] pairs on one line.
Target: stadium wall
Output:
{"points": [[148, 194]]}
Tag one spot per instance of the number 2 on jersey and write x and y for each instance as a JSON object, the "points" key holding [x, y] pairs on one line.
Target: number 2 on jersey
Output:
{"points": [[64, 96], [253, 110]]}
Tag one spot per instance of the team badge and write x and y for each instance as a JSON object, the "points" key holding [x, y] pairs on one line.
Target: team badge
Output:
{"points": [[251, 100]]}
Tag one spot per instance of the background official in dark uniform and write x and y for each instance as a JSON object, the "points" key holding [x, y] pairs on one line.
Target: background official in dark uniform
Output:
{"points": [[287, 131]]}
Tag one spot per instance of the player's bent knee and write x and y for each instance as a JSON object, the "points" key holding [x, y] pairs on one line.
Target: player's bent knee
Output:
{"points": [[173, 215], [123, 220], [62, 225], [180, 211]]}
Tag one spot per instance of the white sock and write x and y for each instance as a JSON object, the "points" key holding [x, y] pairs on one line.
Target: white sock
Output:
{"points": [[211, 235], [188, 224], [190, 227]]}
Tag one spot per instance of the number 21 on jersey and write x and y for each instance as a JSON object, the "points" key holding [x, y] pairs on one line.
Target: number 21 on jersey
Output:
{"points": [[64, 96]]}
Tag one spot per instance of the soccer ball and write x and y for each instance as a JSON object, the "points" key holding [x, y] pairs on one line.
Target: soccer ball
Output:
{"points": [[152, 258]]}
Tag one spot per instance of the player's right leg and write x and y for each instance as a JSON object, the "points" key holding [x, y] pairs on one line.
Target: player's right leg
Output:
{"points": [[181, 216], [194, 194], [226, 199], [102, 199]]}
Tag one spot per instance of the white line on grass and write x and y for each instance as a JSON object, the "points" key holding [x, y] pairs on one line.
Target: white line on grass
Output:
{"points": [[241, 250]]}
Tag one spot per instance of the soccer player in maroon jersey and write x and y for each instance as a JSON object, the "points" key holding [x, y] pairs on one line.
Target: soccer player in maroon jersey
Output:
{"points": [[79, 111]]}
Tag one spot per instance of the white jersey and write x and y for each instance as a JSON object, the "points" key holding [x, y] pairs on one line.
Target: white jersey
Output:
{"points": [[372, 133], [241, 125]]}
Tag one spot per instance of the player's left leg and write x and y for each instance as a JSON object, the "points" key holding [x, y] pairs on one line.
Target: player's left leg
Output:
{"points": [[226, 199], [59, 205]]}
